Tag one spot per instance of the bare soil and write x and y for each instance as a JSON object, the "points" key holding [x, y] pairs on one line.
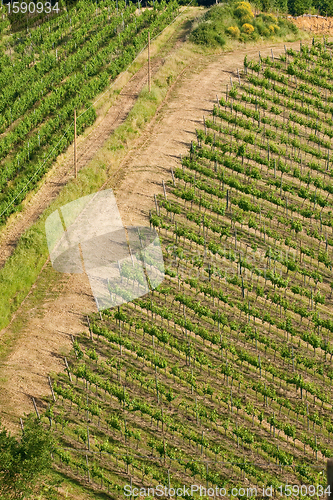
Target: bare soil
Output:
{"points": [[316, 25], [43, 339]]}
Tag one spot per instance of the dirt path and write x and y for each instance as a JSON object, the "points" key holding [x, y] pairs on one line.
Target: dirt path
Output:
{"points": [[45, 337], [62, 172]]}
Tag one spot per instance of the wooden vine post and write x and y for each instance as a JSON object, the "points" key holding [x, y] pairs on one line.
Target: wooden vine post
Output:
{"points": [[88, 472], [68, 370], [36, 409], [164, 190], [50, 383], [75, 162], [149, 79]]}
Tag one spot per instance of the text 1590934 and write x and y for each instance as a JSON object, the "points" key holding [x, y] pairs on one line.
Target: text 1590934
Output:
{"points": [[31, 8]]}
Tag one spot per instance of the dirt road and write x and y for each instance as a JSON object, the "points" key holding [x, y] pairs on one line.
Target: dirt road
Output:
{"points": [[45, 337]]}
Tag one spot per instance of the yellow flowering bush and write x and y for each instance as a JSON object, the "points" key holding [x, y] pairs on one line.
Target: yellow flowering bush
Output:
{"points": [[244, 12], [233, 31], [247, 28], [274, 28]]}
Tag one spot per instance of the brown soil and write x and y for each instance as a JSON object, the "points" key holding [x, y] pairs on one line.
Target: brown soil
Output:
{"points": [[49, 321], [317, 25]]}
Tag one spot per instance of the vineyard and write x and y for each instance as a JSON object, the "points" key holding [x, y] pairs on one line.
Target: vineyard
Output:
{"points": [[49, 71], [222, 376]]}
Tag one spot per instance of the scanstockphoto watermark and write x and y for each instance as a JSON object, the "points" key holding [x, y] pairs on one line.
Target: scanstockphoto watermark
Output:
{"points": [[195, 490], [87, 236]]}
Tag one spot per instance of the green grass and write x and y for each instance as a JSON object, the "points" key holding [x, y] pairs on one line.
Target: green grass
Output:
{"points": [[58, 486]]}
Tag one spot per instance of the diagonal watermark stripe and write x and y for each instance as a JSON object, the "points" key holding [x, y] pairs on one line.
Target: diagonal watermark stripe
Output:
{"points": [[87, 235]]}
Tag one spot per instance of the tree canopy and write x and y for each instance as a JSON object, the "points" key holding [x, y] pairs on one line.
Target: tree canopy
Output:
{"points": [[24, 461]]}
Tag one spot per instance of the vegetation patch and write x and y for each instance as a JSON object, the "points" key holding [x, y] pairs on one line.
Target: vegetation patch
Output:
{"points": [[237, 20]]}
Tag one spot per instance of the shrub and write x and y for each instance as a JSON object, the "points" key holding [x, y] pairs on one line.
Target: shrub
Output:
{"points": [[287, 27], [269, 18], [233, 31], [24, 462], [207, 34], [247, 28], [228, 19], [260, 26], [243, 38], [273, 28], [216, 13], [244, 12]]}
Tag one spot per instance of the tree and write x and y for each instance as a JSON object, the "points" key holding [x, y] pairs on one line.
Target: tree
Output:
{"points": [[24, 462], [324, 6], [282, 5], [299, 7], [272, 5]]}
